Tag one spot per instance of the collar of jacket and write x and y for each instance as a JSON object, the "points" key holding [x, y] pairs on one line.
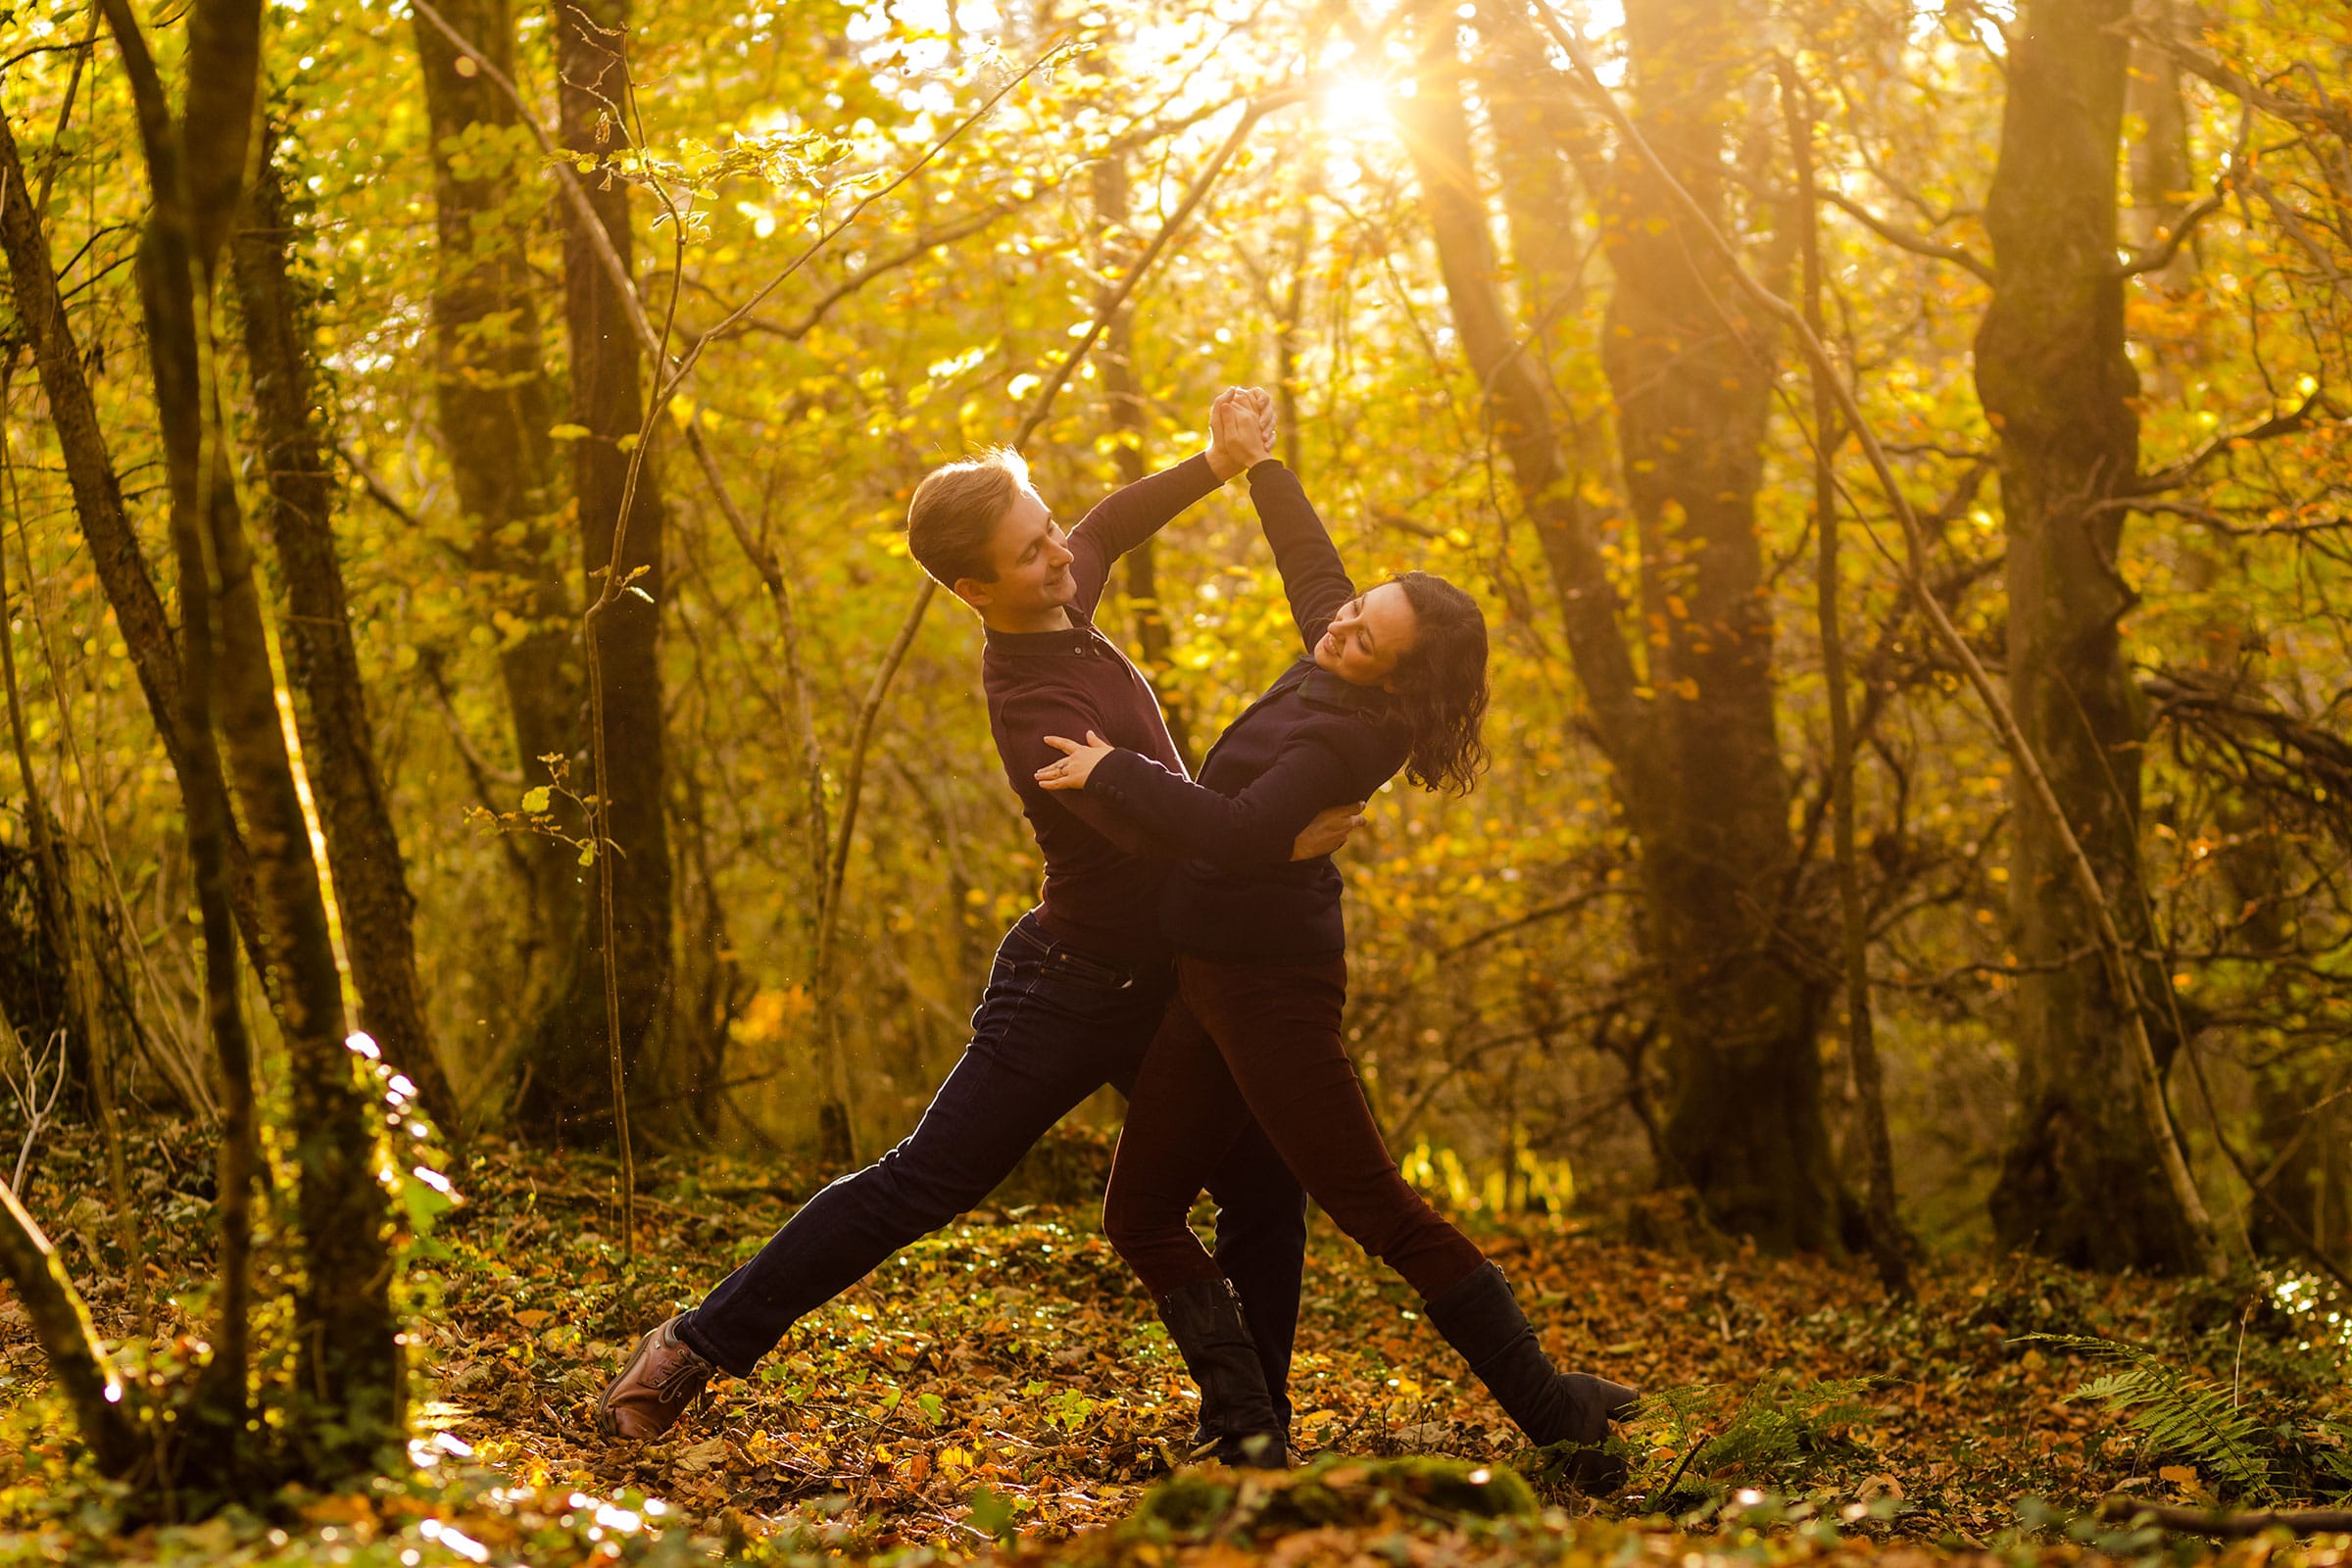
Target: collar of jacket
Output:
{"points": [[1323, 689], [1079, 637]]}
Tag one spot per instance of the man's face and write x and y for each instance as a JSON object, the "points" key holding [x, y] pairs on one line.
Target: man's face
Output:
{"points": [[1032, 559]]}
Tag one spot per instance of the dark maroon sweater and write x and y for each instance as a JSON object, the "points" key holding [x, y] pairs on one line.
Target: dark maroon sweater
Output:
{"points": [[1103, 874], [1312, 741]]}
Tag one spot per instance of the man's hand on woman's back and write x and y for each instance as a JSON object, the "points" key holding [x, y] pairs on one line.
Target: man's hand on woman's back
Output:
{"points": [[1328, 831]]}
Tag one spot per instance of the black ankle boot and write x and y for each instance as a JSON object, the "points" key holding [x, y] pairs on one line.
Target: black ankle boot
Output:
{"points": [[1481, 1319], [1239, 1423], [1205, 1440]]}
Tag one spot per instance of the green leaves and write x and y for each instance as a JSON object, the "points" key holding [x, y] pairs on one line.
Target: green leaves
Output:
{"points": [[2183, 1415], [991, 1513], [1776, 1432]]}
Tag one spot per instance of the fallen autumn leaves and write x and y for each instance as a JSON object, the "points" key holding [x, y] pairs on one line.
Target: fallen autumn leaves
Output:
{"points": [[1004, 1379]]}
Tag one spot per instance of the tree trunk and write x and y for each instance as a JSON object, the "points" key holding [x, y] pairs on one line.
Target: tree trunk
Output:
{"points": [[2081, 1179], [495, 410], [323, 664], [1693, 738], [1544, 147], [62, 1326], [1438, 139], [349, 1357], [573, 1089], [2160, 156], [1881, 1222], [1123, 402], [1743, 1117], [177, 685], [115, 554]]}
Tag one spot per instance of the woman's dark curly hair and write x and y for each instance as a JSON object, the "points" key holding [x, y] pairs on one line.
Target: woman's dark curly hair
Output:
{"points": [[1440, 685]]}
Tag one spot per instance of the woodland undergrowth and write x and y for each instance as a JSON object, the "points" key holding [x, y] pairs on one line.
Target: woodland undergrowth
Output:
{"points": [[1003, 1388]]}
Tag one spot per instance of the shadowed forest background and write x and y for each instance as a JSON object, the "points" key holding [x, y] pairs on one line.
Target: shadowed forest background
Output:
{"points": [[454, 467]]}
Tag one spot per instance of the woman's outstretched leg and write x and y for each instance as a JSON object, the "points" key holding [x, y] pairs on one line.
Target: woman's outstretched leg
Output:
{"points": [[1183, 1118], [1277, 1030]]}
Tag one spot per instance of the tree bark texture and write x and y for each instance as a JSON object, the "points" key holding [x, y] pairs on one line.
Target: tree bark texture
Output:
{"points": [[1692, 391], [1689, 729], [322, 662], [115, 554], [570, 1093], [496, 409], [1438, 141], [350, 1363], [177, 681], [2081, 1179]]}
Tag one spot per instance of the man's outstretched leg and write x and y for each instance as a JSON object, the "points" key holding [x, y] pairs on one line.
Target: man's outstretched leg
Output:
{"points": [[1048, 1033]]}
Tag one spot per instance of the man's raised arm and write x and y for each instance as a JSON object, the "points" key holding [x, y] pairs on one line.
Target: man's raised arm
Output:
{"points": [[1135, 513]]}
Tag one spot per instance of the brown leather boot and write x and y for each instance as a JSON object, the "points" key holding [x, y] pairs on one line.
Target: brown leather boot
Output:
{"points": [[661, 1379]]}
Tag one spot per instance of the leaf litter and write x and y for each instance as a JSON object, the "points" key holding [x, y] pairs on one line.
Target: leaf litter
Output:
{"points": [[1002, 1388]]}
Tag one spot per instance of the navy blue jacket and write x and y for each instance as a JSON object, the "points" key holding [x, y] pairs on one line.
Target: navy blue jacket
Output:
{"points": [[1311, 742]]}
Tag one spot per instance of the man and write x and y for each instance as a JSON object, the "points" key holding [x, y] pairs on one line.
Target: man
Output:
{"points": [[1079, 984]]}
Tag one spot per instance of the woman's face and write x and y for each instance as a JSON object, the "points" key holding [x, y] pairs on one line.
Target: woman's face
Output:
{"points": [[1368, 636]]}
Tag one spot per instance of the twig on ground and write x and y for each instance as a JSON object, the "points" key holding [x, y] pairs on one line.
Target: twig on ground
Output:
{"points": [[2121, 1508]]}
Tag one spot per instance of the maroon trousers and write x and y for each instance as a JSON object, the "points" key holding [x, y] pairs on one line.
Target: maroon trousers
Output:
{"points": [[1264, 1041]]}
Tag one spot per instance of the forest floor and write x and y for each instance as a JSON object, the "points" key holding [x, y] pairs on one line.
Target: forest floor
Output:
{"points": [[1003, 1388]]}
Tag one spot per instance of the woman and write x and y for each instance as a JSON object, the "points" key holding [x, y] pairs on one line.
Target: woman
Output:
{"points": [[1394, 678]]}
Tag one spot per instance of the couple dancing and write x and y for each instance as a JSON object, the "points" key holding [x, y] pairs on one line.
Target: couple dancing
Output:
{"points": [[1188, 950]]}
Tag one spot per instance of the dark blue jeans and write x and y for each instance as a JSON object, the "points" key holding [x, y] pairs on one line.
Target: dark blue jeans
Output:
{"points": [[1054, 1026]]}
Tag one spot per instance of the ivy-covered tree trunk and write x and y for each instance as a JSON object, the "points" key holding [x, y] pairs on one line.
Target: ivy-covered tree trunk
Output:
{"points": [[1690, 727], [496, 412], [348, 1363], [571, 1085], [2081, 1179], [322, 662]]}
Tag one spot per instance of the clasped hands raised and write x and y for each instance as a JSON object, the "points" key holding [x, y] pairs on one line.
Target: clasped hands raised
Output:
{"points": [[1241, 435], [1240, 430]]}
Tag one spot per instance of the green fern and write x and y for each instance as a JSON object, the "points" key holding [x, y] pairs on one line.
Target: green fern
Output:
{"points": [[2330, 1447], [1775, 1432], [2182, 1415]]}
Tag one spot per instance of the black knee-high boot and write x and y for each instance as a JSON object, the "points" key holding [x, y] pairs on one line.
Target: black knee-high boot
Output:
{"points": [[1238, 1420], [1481, 1319]]}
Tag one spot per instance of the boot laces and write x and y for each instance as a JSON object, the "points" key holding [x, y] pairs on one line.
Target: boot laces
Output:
{"points": [[684, 1377]]}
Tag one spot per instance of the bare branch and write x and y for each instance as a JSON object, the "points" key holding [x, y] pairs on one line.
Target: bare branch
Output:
{"points": [[2277, 424], [2156, 258], [1917, 244]]}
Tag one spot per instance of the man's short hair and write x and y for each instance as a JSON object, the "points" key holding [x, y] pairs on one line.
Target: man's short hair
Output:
{"points": [[952, 519]]}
